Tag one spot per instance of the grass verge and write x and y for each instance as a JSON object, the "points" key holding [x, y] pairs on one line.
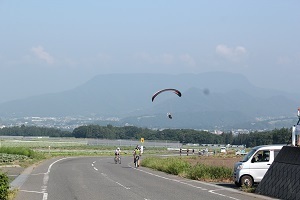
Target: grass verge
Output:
{"points": [[179, 166]]}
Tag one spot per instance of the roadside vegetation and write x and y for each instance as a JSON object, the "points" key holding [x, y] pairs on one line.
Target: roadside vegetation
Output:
{"points": [[5, 192], [20, 151], [4, 186], [180, 166], [23, 156]]}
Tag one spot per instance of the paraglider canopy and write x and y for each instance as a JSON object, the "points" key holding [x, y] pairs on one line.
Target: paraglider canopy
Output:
{"points": [[164, 90]]}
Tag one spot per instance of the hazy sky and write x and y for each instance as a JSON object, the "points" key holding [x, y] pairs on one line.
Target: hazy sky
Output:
{"points": [[55, 45]]}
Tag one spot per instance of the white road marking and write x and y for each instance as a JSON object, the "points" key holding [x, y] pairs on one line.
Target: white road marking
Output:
{"points": [[46, 179], [29, 191], [37, 174], [105, 175], [213, 192], [185, 183], [170, 179], [127, 188], [45, 196]]}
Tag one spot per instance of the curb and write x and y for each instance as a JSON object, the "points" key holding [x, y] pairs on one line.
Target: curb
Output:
{"points": [[18, 182]]}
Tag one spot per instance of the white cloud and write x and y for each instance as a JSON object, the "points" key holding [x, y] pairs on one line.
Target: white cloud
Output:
{"points": [[42, 54], [232, 54], [144, 57], [186, 58], [167, 59]]}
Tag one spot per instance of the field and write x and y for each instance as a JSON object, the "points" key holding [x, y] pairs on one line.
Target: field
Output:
{"points": [[79, 147], [51, 147]]}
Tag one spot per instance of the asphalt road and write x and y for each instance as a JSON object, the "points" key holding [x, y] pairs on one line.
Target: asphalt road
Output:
{"points": [[84, 178]]}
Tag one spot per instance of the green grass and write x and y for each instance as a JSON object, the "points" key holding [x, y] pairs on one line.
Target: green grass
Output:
{"points": [[23, 156], [179, 166], [206, 172], [4, 186], [18, 151], [43, 143], [12, 194], [169, 165]]}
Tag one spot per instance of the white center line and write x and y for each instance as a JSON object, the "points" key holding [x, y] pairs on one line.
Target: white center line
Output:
{"points": [[46, 179]]}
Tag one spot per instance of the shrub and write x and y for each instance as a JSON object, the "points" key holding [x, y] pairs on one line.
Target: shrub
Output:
{"points": [[205, 172], [178, 166], [199, 171], [18, 150], [4, 186], [169, 165]]}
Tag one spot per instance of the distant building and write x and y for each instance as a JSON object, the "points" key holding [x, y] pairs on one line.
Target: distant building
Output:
{"points": [[240, 131], [218, 132]]}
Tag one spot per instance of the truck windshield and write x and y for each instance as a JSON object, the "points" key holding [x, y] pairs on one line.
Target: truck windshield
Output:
{"points": [[249, 155]]}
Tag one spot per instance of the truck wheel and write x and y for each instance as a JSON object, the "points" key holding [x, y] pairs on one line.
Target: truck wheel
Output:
{"points": [[246, 181]]}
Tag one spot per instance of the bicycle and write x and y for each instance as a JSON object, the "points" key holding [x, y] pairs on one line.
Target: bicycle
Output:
{"points": [[117, 159], [136, 161]]}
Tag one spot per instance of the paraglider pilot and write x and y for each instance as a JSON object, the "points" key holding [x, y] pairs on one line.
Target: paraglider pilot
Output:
{"points": [[169, 115]]}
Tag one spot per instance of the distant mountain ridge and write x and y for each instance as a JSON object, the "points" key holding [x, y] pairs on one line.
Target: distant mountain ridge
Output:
{"points": [[232, 99]]}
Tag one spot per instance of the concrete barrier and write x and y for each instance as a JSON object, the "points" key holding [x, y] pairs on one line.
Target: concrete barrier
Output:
{"points": [[282, 180]]}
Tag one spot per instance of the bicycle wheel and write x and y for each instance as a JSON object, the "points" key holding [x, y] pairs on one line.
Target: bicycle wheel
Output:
{"points": [[136, 161]]}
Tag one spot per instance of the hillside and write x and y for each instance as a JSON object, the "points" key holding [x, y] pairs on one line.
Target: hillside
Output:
{"points": [[231, 100]]}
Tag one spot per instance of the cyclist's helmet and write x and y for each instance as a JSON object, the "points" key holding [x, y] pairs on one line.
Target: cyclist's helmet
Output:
{"points": [[118, 148]]}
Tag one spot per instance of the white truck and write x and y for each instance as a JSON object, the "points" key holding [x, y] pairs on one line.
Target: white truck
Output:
{"points": [[252, 168]]}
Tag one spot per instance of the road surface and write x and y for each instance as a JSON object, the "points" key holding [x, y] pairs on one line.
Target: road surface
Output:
{"points": [[83, 178]]}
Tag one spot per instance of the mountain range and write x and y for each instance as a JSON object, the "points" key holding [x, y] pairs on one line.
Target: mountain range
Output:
{"points": [[208, 100]]}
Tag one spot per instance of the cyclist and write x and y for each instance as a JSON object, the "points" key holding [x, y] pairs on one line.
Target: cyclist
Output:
{"points": [[136, 155], [117, 153]]}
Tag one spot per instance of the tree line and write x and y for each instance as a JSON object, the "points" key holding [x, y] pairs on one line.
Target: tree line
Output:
{"points": [[34, 131], [276, 136]]}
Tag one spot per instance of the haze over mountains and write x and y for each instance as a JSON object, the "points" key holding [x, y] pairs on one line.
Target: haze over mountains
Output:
{"points": [[232, 101]]}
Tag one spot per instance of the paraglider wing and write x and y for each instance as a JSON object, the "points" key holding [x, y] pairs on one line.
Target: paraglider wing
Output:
{"points": [[164, 90]]}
